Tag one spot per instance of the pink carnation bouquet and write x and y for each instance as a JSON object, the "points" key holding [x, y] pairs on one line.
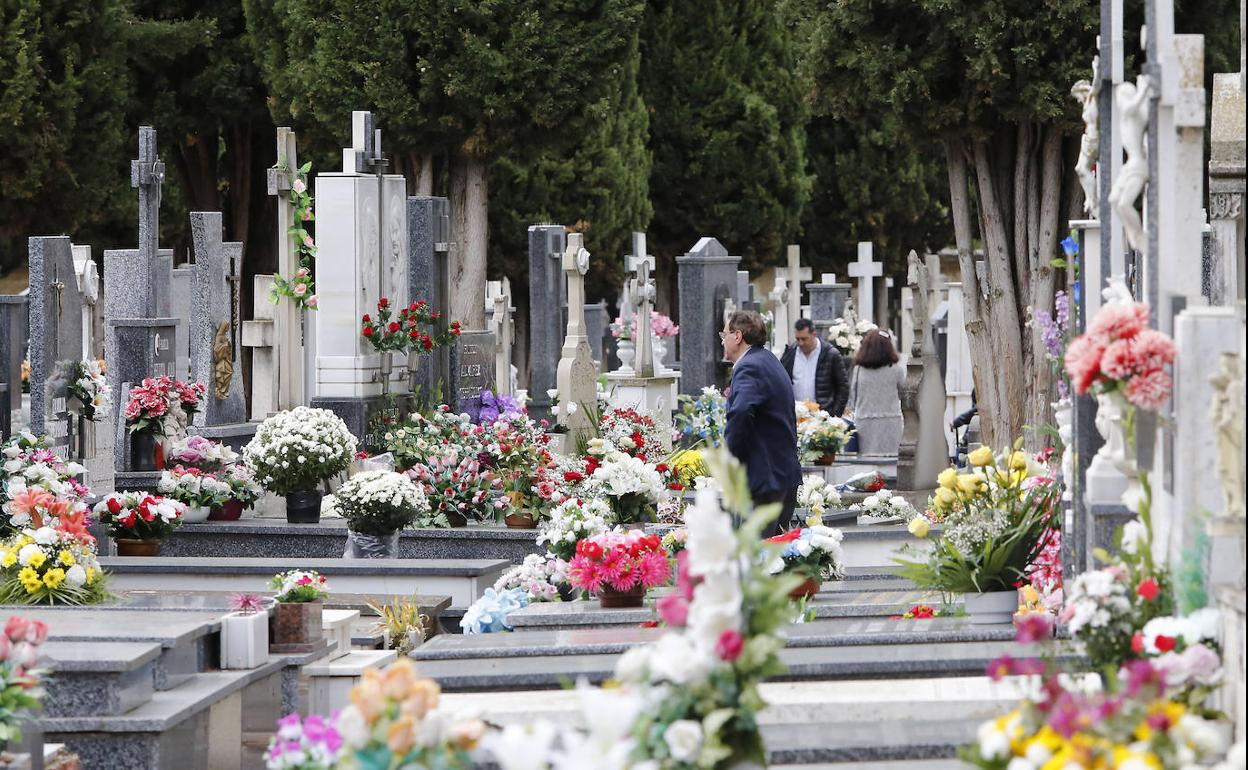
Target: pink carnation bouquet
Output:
{"points": [[1119, 352], [622, 561]]}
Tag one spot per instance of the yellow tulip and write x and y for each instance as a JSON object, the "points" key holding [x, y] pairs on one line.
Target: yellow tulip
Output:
{"points": [[945, 497], [969, 483], [919, 527], [980, 457], [1018, 461], [948, 478]]}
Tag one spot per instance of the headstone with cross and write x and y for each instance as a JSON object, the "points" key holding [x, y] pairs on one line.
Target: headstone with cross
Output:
{"points": [[56, 307], [707, 279], [547, 298], [144, 348], [866, 270], [797, 276], [828, 300], [577, 375], [362, 231], [289, 378], [429, 251], [498, 297], [642, 293]]}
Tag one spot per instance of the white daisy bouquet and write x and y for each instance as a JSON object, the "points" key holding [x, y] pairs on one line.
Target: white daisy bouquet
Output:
{"points": [[297, 449], [632, 486], [846, 334], [193, 487], [888, 505], [379, 503]]}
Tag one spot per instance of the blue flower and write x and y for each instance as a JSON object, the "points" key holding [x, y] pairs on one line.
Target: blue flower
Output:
{"points": [[488, 614], [1070, 246]]}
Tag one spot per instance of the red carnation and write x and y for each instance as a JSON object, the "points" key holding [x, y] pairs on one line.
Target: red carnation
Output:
{"points": [[428, 343], [1137, 643], [394, 326], [1164, 643], [367, 319], [1148, 590]]}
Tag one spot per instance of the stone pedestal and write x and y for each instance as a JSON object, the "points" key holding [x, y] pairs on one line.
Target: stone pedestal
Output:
{"points": [[655, 395]]}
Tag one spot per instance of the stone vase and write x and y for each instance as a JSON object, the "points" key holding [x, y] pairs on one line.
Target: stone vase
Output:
{"points": [[384, 369], [991, 607], [129, 547], [807, 589], [1115, 421], [295, 626], [660, 353], [303, 507], [610, 598], [231, 510], [627, 352], [244, 640], [827, 458], [147, 451]]}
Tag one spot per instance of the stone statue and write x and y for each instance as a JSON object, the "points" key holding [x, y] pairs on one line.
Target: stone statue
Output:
{"points": [[222, 362], [1090, 143], [1227, 414], [1132, 101]]}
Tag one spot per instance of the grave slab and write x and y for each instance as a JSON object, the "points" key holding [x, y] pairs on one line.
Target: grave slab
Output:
{"points": [[108, 678]]}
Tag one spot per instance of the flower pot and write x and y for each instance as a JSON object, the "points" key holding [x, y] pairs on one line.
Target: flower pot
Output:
{"points": [[362, 546], [147, 452], [611, 598], [805, 590], [232, 510], [991, 607], [296, 627], [244, 640], [520, 521], [384, 369], [303, 507], [457, 519], [827, 458], [129, 547], [196, 514]]}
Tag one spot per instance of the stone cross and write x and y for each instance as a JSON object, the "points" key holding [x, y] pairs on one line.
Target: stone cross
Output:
{"points": [[865, 269], [1110, 70], [148, 174], [215, 354], [498, 294], [781, 323], [796, 274], [287, 387], [641, 295], [428, 253], [577, 374]]}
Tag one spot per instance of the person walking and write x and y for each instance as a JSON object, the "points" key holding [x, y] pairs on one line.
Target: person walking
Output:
{"points": [[875, 395], [816, 369], [760, 428]]}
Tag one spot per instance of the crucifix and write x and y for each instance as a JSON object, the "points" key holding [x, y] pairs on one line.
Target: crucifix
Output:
{"points": [[148, 174], [640, 292], [58, 288], [865, 269], [288, 389], [369, 159]]}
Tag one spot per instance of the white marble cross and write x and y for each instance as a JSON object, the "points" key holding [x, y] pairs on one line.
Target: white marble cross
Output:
{"points": [[796, 274], [639, 289], [577, 375], [865, 269], [498, 296], [287, 335]]}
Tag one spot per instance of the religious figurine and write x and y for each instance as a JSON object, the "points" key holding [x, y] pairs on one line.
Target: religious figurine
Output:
{"points": [[1227, 414], [222, 362], [1089, 144], [1132, 101]]}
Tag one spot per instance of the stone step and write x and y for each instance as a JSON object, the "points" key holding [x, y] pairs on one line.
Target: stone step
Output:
{"points": [[330, 681], [463, 580], [223, 601], [265, 537], [804, 664], [108, 678]]}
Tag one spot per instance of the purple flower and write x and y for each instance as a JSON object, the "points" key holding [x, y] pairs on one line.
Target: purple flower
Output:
{"points": [[1140, 675], [1068, 716], [1033, 627], [1061, 304]]}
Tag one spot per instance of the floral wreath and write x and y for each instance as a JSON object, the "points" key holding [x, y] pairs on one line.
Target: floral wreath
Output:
{"points": [[300, 288]]}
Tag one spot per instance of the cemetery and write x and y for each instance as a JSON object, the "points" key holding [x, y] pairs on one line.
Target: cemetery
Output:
{"points": [[377, 480]]}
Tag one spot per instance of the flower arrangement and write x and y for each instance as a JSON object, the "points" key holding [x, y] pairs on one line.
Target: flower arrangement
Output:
{"points": [[248, 604], [628, 431], [299, 586], [423, 436], [193, 487], [538, 576], [21, 688], [29, 465], [571, 521], [88, 385], [660, 326], [402, 619], [918, 612], [496, 406], [394, 721], [1054, 331], [304, 744], [296, 449], [619, 561], [674, 541], [50, 565], [456, 487], [819, 433], [701, 420], [687, 466], [1120, 354], [488, 615], [846, 333], [631, 486], [379, 503], [389, 334], [888, 505], [518, 450], [814, 553], [816, 495], [139, 516], [202, 453], [242, 483], [162, 406], [301, 288], [997, 516]]}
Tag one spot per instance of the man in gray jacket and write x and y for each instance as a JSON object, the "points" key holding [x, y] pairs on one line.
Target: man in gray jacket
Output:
{"points": [[817, 371]]}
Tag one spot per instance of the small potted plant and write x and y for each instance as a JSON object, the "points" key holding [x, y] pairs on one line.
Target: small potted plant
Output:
{"points": [[199, 491], [457, 488], [313, 743], [619, 567], [297, 612], [402, 624], [816, 495], [244, 492], [570, 522], [377, 505], [294, 452], [138, 522], [520, 456], [245, 633], [812, 553], [157, 412]]}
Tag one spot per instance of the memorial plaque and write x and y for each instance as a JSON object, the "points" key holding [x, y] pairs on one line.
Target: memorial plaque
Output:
{"points": [[474, 371]]}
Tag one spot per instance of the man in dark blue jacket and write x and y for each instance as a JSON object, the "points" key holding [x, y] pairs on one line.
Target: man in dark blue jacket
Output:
{"points": [[761, 427]]}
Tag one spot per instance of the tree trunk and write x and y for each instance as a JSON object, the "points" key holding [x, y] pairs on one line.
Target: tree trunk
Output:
{"points": [[240, 183], [197, 160], [470, 229]]}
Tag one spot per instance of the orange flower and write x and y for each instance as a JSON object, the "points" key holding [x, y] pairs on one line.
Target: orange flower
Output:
{"points": [[71, 521], [30, 501]]}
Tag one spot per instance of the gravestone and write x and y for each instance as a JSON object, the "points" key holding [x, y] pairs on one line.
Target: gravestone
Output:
{"points": [[14, 315], [260, 335], [828, 300], [55, 338], [577, 376], [474, 360], [428, 253], [707, 280], [923, 453], [143, 348], [282, 337], [181, 279], [866, 269], [547, 298], [216, 359], [745, 291], [778, 299], [498, 298], [959, 368], [89, 287], [1226, 188], [797, 276]]}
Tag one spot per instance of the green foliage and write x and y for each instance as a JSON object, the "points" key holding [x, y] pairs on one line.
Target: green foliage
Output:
{"points": [[1191, 591], [63, 93], [726, 127]]}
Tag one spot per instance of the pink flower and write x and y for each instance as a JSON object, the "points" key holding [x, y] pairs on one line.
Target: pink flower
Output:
{"points": [[1153, 350], [301, 289], [583, 573], [1033, 627], [312, 301], [1083, 361], [674, 610], [653, 569], [730, 645], [1150, 390], [684, 582], [299, 186], [1119, 360], [1119, 320]]}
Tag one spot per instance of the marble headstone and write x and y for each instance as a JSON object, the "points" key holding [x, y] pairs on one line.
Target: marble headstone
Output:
{"points": [[428, 252], [215, 349], [547, 298], [474, 373], [55, 330], [14, 311], [707, 279]]}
